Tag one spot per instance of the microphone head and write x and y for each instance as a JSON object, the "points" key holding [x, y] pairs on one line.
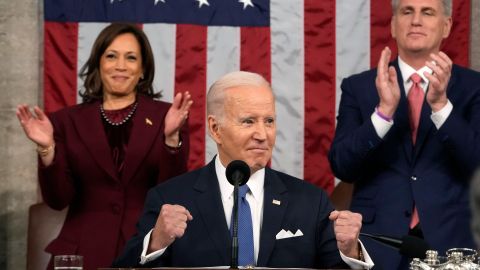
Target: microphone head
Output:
{"points": [[238, 172], [386, 240], [409, 246], [414, 247]]}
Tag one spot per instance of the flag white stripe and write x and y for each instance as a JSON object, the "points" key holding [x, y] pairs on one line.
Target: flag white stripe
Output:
{"points": [[223, 56], [87, 33], [352, 42], [162, 38], [287, 54]]}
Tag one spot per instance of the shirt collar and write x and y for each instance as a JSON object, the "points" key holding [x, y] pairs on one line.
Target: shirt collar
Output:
{"points": [[255, 182], [407, 71]]}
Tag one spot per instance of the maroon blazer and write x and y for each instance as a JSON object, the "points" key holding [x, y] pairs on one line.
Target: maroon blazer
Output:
{"points": [[103, 206]]}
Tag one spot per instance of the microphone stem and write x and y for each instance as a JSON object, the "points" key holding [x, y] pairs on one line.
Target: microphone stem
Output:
{"points": [[234, 260]]}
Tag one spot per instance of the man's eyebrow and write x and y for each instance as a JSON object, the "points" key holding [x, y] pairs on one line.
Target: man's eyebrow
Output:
{"points": [[428, 9], [406, 8]]}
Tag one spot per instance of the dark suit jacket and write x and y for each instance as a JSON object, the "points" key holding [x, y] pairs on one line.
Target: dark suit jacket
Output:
{"points": [[104, 206], [207, 242], [391, 174]]}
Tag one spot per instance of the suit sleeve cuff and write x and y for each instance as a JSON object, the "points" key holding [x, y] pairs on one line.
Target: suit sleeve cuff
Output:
{"points": [[438, 118], [381, 125], [357, 264], [144, 257]]}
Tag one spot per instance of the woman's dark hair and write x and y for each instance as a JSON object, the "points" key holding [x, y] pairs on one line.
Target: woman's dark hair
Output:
{"points": [[90, 72]]}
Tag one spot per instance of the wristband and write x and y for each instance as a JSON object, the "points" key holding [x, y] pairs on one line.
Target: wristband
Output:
{"points": [[383, 116]]}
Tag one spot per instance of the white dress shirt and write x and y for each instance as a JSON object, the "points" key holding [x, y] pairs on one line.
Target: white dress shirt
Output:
{"points": [[382, 126], [255, 201]]}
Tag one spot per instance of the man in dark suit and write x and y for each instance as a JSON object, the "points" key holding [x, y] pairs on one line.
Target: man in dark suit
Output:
{"points": [[186, 220], [475, 203], [409, 143]]}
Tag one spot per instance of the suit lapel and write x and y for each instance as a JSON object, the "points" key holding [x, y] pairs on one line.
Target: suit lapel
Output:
{"points": [[402, 124], [424, 128], [147, 124], [211, 210], [272, 214], [88, 124]]}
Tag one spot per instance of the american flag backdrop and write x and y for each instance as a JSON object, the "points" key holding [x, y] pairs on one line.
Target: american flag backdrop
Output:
{"points": [[304, 47]]}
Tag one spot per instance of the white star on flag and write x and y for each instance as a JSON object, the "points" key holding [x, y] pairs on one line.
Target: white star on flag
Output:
{"points": [[246, 3], [156, 1], [202, 2], [111, 1]]}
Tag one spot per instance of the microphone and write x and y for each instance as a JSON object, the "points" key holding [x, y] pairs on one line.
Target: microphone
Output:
{"points": [[237, 174], [409, 246]]}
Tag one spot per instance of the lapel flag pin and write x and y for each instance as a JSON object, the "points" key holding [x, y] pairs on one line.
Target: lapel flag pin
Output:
{"points": [[277, 202], [148, 121]]}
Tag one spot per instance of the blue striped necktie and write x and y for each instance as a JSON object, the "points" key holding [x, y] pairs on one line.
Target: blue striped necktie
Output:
{"points": [[245, 229]]}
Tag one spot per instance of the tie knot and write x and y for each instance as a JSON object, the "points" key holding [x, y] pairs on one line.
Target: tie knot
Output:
{"points": [[242, 191], [415, 78]]}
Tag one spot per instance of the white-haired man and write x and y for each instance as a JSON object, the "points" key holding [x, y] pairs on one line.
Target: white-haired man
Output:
{"points": [[408, 136], [186, 220]]}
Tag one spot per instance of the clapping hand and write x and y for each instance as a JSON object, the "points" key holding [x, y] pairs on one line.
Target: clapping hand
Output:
{"points": [[387, 85], [176, 117], [441, 66], [37, 126]]}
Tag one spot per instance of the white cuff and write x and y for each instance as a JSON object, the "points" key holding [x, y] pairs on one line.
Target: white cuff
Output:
{"points": [[357, 264], [438, 118], [381, 125], [144, 258]]}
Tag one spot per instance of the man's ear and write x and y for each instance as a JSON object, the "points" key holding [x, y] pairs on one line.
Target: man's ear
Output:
{"points": [[447, 27], [393, 28], [214, 129]]}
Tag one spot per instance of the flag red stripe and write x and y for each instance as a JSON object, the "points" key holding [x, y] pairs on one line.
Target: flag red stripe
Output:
{"points": [[457, 46], [255, 50], [191, 75], [60, 65], [380, 34], [319, 23]]}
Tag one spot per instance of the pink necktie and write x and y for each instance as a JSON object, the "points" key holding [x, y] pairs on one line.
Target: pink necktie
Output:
{"points": [[415, 101]]}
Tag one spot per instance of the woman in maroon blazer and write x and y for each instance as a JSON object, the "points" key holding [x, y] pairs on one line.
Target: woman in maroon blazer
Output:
{"points": [[100, 157]]}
